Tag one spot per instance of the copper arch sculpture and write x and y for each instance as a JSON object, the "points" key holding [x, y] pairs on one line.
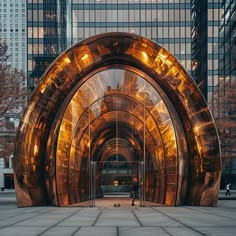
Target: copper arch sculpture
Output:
{"points": [[198, 164]]}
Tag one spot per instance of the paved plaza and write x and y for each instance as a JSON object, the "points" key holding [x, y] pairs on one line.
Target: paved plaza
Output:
{"points": [[105, 219]]}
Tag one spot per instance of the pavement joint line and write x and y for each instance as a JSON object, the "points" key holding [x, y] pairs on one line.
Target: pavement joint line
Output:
{"points": [[137, 218], [179, 222], [101, 210], [24, 219], [209, 213], [59, 222], [166, 231], [76, 231]]}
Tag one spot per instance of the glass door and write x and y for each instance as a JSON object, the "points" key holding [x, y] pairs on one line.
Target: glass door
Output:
{"points": [[113, 180]]}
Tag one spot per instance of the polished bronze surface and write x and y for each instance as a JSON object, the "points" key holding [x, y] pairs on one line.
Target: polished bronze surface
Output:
{"points": [[117, 94]]}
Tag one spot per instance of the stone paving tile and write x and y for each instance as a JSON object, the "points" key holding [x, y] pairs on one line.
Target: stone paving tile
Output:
{"points": [[67, 209], [22, 231], [142, 231], [47, 218], [43, 220], [217, 231], [97, 231], [118, 217], [84, 217], [181, 231], [47, 209], [15, 219], [60, 231], [226, 204], [195, 218], [150, 217], [216, 211], [12, 214], [5, 213]]}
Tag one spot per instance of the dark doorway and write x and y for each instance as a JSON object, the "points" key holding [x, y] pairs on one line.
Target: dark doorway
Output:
{"points": [[8, 181]]}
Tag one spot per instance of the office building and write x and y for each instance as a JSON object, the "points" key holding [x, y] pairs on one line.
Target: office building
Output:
{"points": [[13, 31], [224, 100]]}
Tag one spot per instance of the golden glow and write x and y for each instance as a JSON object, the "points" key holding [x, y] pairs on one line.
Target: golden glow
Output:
{"points": [[198, 141], [66, 60], [85, 57], [170, 60], [145, 57], [43, 87], [144, 45], [33, 168], [35, 150], [163, 54], [26, 117]]}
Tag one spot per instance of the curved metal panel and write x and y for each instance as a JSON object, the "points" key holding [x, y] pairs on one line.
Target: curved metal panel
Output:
{"points": [[35, 171]]}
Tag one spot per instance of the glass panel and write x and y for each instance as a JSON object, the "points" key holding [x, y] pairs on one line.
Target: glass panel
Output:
{"points": [[92, 183], [142, 183]]}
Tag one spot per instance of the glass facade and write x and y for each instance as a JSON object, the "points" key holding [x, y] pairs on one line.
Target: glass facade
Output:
{"points": [[13, 31], [214, 38], [166, 22], [224, 94], [199, 44], [46, 22]]}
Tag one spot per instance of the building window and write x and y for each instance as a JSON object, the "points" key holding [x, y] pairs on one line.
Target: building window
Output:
{"points": [[6, 162]]}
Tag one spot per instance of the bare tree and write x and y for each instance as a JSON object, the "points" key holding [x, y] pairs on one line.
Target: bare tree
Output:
{"points": [[13, 96], [224, 110]]}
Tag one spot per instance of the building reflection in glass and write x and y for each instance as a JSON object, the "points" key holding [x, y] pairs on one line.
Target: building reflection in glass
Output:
{"points": [[111, 97]]}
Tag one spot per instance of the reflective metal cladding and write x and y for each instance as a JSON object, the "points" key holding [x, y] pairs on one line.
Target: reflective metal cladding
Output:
{"points": [[117, 94]]}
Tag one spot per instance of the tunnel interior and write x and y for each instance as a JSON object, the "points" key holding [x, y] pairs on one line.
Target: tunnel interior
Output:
{"points": [[115, 115]]}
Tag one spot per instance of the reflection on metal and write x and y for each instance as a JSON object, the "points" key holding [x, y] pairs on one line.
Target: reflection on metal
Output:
{"points": [[116, 94]]}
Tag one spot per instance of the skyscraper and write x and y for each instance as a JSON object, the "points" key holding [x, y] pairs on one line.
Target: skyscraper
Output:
{"points": [[13, 31], [199, 44], [47, 34], [224, 101]]}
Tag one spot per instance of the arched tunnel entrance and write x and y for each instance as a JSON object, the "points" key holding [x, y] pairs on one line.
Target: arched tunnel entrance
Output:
{"points": [[121, 114], [110, 108]]}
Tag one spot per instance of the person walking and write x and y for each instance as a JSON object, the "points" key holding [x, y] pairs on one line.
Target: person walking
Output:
{"points": [[227, 187], [134, 190]]}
